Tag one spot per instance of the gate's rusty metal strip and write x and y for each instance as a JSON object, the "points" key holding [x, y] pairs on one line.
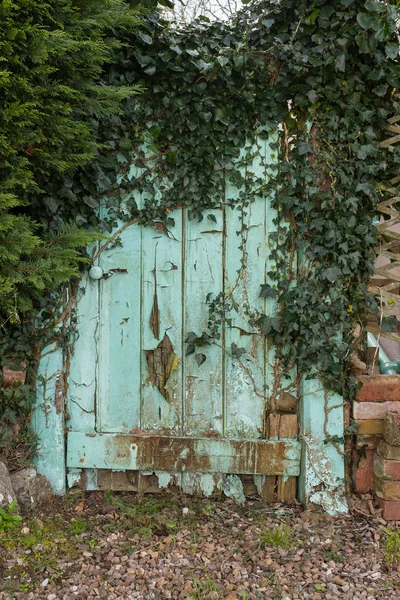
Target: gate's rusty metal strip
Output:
{"points": [[389, 242], [183, 454]]}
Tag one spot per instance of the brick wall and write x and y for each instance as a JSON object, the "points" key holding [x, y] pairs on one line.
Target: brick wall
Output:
{"points": [[376, 454]]}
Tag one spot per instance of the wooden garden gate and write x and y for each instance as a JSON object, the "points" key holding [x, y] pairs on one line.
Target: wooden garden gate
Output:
{"points": [[139, 407]]}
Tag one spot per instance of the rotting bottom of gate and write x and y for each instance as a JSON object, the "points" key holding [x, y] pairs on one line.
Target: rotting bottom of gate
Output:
{"points": [[270, 488], [149, 463]]}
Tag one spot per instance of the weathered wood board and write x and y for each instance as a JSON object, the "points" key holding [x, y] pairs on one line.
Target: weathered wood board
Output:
{"points": [[182, 454]]}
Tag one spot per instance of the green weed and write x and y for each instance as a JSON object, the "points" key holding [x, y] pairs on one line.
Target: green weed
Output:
{"points": [[9, 519], [280, 537], [208, 509], [147, 506], [392, 547], [332, 555], [201, 589], [78, 526]]}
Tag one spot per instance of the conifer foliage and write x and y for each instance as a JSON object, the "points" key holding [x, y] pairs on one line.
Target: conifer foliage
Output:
{"points": [[52, 55]]}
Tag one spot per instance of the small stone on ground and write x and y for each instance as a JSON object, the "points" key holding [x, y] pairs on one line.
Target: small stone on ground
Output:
{"points": [[119, 546]]}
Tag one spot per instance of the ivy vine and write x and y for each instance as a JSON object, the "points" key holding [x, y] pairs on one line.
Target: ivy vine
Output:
{"points": [[324, 76], [321, 74]]}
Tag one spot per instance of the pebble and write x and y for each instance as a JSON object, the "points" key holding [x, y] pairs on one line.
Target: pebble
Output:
{"points": [[224, 543]]}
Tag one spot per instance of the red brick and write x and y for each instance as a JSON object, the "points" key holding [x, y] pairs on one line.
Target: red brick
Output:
{"points": [[379, 388], [387, 489], [374, 410], [363, 475], [391, 510], [388, 469]]}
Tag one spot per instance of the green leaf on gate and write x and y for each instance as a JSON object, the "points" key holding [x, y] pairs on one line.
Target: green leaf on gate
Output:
{"points": [[267, 291], [200, 358]]}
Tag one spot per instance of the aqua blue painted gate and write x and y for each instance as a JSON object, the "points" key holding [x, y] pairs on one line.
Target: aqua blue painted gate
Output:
{"points": [[128, 397]]}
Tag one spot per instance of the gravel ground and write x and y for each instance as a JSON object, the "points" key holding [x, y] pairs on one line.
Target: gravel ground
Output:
{"points": [[97, 545]]}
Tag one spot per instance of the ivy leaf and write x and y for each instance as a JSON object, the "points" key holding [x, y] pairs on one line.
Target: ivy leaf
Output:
{"points": [[375, 6], [150, 70], [312, 96], [268, 324], [236, 351], [340, 62], [389, 324], [362, 42], [191, 338], [190, 349], [172, 157], [200, 358], [268, 23], [332, 274], [223, 60], [146, 38], [392, 50], [381, 90], [142, 60], [326, 12], [267, 291], [365, 151], [365, 20], [305, 148]]}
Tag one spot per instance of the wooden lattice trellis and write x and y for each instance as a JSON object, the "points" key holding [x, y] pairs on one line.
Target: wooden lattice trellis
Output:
{"points": [[389, 249]]}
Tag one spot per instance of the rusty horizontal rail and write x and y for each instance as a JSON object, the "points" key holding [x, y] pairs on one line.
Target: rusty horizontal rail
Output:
{"points": [[183, 454]]}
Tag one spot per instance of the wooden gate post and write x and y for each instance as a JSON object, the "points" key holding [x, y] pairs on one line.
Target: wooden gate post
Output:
{"points": [[48, 418], [322, 477]]}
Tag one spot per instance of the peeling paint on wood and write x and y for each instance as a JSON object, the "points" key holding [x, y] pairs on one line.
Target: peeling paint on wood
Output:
{"points": [[140, 413], [322, 470], [161, 362], [233, 488], [48, 419], [177, 454], [155, 311]]}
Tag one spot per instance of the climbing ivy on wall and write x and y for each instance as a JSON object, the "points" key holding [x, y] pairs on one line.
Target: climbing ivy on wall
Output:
{"points": [[323, 76]]}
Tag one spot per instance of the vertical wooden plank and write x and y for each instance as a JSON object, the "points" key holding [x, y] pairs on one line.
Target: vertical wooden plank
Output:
{"points": [[288, 427], [274, 420], [83, 359], [322, 466], [246, 249], [268, 488], [48, 419], [161, 323], [286, 489], [277, 380], [203, 385], [119, 335]]}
